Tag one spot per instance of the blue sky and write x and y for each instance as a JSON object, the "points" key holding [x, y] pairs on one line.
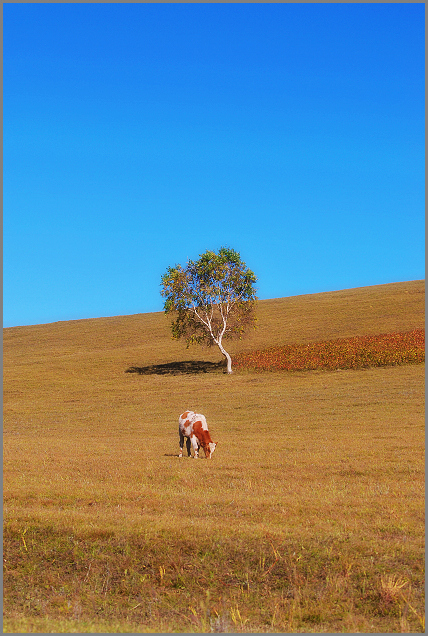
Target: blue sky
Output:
{"points": [[137, 136]]}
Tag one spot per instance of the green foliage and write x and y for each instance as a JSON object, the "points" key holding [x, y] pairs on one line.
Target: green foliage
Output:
{"points": [[211, 298]]}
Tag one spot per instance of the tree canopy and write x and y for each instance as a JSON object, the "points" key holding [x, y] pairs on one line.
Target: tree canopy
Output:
{"points": [[211, 299]]}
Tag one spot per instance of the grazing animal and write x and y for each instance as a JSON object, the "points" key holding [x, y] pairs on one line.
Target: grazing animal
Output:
{"points": [[194, 427]]}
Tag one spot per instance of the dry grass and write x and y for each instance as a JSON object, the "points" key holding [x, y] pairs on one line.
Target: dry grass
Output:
{"points": [[309, 517]]}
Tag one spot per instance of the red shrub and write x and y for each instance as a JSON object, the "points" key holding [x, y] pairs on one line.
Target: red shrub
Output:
{"points": [[345, 353]]}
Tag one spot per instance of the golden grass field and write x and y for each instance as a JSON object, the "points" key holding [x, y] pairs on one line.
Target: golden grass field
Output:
{"points": [[308, 518]]}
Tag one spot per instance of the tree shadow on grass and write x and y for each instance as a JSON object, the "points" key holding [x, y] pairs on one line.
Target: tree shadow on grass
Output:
{"points": [[178, 368]]}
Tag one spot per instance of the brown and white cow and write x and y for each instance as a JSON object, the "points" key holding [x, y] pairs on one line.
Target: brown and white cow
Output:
{"points": [[193, 426]]}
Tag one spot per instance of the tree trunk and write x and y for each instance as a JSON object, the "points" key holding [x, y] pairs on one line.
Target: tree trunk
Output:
{"points": [[227, 356]]}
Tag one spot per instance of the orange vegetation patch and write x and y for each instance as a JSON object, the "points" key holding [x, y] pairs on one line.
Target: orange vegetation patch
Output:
{"points": [[345, 353]]}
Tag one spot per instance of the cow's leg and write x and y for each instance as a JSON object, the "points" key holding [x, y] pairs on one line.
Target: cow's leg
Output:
{"points": [[181, 443], [188, 444], [195, 444]]}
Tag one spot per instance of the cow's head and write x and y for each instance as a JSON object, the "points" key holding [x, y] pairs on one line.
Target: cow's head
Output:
{"points": [[209, 449]]}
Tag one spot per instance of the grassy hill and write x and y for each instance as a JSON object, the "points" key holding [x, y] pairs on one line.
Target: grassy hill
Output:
{"points": [[308, 518], [146, 338]]}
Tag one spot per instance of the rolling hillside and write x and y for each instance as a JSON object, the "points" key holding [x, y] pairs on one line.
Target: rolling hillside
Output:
{"points": [[309, 517], [144, 339]]}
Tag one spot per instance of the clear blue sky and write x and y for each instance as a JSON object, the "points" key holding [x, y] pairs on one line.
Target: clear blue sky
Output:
{"points": [[137, 136]]}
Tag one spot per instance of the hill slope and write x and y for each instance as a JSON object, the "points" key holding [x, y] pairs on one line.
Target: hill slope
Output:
{"points": [[144, 339], [309, 518]]}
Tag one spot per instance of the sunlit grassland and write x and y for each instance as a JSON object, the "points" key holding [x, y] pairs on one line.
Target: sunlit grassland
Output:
{"points": [[309, 517]]}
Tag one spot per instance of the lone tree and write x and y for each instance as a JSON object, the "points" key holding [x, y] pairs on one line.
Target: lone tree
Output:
{"points": [[211, 299]]}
